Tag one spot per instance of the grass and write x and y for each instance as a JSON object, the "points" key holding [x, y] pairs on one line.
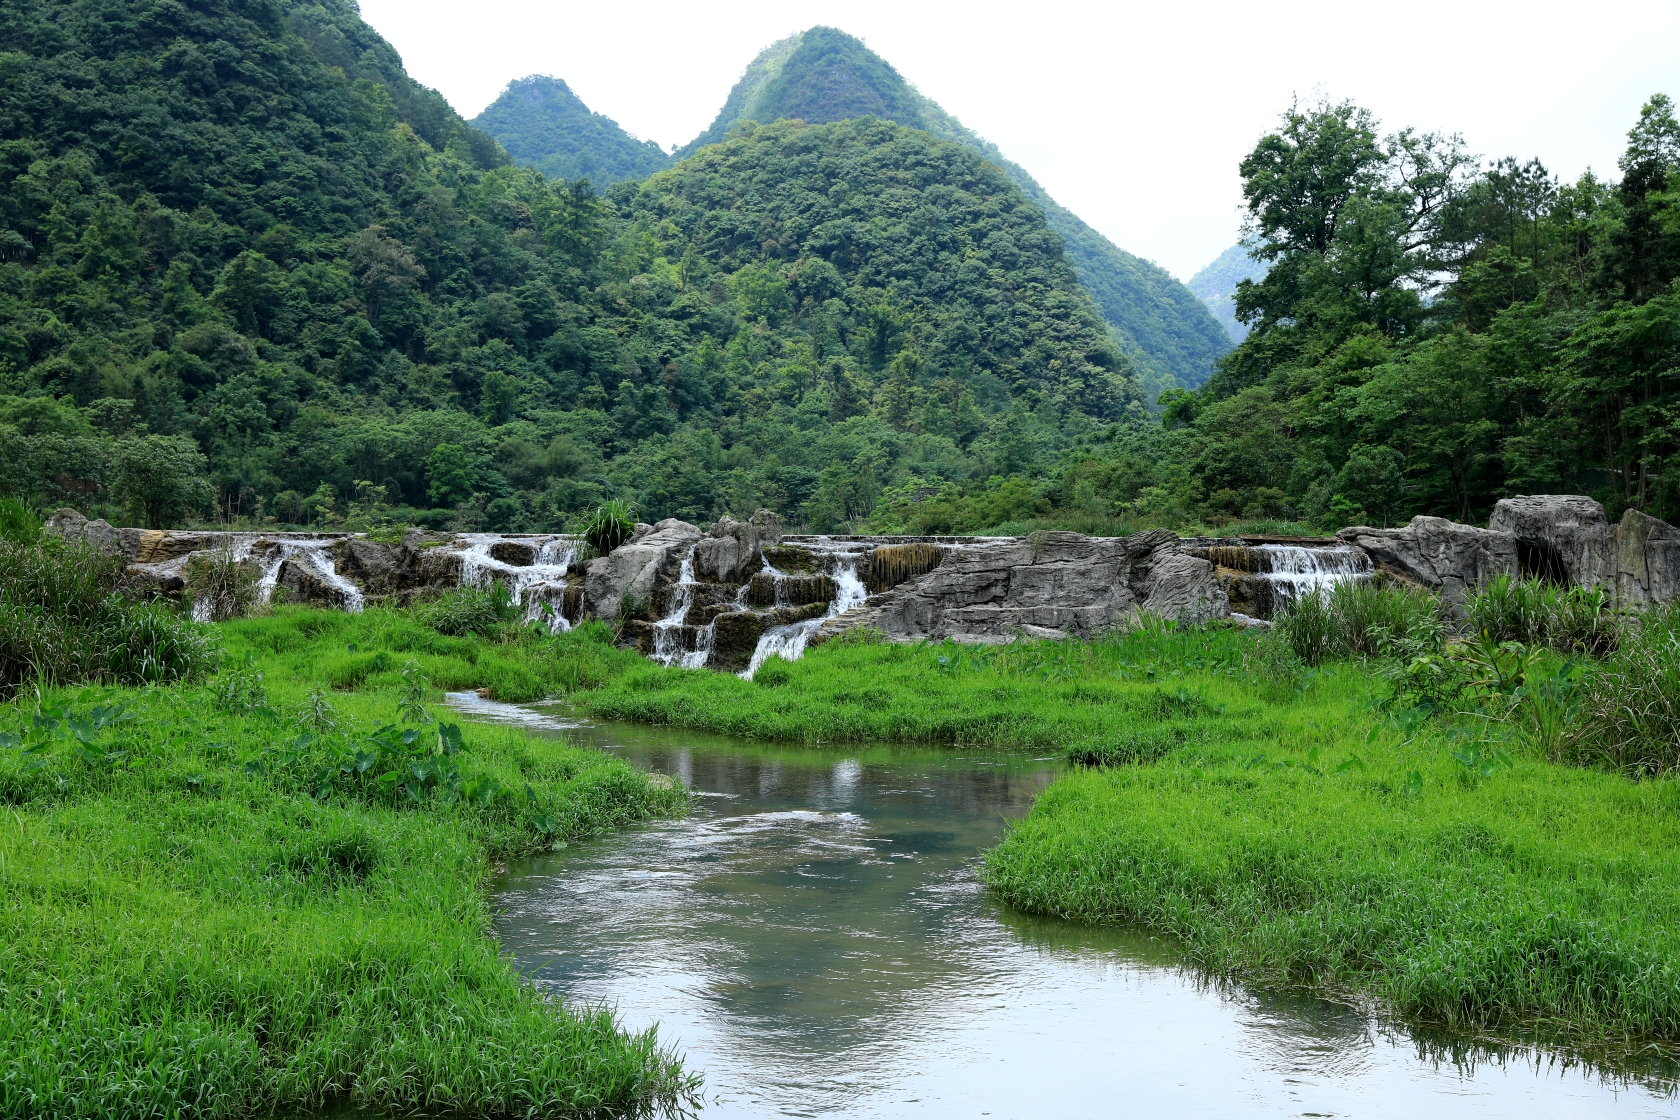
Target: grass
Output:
{"points": [[266, 893]]}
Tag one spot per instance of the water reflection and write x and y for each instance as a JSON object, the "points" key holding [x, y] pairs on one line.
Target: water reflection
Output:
{"points": [[816, 940]]}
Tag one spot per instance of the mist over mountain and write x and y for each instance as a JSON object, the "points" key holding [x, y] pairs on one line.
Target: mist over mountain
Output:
{"points": [[824, 75], [1216, 286], [543, 124]]}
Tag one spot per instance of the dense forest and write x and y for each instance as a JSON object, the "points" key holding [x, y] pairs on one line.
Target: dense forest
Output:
{"points": [[824, 75], [543, 124], [250, 267], [1432, 332], [1216, 286]]}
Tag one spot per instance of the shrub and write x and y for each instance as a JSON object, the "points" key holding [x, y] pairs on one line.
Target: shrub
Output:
{"points": [[221, 587], [62, 621], [1630, 715], [1363, 618], [608, 525], [1531, 611], [469, 610], [19, 523]]}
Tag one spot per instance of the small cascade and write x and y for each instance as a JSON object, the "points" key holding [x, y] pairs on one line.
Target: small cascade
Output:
{"points": [[788, 642], [1294, 571], [539, 585], [668, 631]]}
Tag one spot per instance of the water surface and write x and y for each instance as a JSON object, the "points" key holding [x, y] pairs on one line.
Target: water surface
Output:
{"points": [[815, 939]]}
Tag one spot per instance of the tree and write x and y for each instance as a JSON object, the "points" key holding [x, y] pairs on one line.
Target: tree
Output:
{"points": [[451, 475], [384, 265], [160, 479]]}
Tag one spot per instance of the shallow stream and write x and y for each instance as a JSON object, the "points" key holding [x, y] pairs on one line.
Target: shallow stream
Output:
{"points": [[815, 939]]}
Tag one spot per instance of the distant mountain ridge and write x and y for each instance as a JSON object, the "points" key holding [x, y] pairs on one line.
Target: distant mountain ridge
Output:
{"points": [[1216, 286], [543, 124], [824, 75]]}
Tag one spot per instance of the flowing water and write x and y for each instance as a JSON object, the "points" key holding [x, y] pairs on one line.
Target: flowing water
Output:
{"points": [[788, 642], [814, 938], [1295, 571]]}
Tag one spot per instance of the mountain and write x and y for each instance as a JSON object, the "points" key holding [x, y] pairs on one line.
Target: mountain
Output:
{"points": [[544, 125], [245, 258], [826, 75], [1216, 285]]}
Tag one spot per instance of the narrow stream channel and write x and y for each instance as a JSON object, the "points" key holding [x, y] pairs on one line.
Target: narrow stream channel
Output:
{"points": [[815, 940]]}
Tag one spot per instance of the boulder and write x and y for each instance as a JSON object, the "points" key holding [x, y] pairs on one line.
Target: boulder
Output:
{"points": [[717, 559], [100, 535], [1183, 587], [1564, 538], [729, 553], [380, 569], [1433, 552], [517, 554], [304, 585], [1646, 559], [633, 570]]}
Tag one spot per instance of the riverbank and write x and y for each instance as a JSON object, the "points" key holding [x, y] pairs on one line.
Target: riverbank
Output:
{"points": [[256, 894]]}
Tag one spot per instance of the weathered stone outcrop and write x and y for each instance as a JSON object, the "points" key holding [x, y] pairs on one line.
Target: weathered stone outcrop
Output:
{"points": [[633, 570], [1049, 585], [1433, 552], [1647, 560], [99, 535], [730, 550], [1564, 538]]}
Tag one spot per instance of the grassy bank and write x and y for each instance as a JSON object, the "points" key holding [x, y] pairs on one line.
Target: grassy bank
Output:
{"points": [[258, 894]]}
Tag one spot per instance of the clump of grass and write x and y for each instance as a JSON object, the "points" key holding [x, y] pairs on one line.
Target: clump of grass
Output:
{"points": [[1362, 618], [220, 587], [608, 525], [1630, 712], [63, 620], [463, 611], [1531, 611]]}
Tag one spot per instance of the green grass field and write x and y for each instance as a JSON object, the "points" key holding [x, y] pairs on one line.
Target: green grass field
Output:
{"points": [[241, 897]]}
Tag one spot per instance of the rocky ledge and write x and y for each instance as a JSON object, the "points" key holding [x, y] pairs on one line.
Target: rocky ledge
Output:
{"points": [[731, 595]]}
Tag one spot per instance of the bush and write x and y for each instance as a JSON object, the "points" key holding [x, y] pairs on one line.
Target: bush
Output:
{"points": [[221, 587], [469, 611], [1363, 618], [1531, 611], [1630, 715], [62, 621], [608, 525]]}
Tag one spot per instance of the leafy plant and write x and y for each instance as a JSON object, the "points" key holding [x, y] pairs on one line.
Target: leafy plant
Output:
{"points": [[608, 525], [221, 587]]}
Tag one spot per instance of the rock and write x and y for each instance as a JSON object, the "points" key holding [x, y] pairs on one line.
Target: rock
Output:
{"points": [[158, 546], [769, 590], [1049, 585], [154, 582], [1183, 587], [304, 586], [380, 569], [734, 638], [730, 551], [1560, 537], [518, 554], [100, 535], [716, 559], [633, 570], [1433, 552], [1647, 560]]}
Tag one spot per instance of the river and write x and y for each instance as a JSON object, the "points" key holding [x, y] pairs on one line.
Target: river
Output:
{"points": [[815, 939]]}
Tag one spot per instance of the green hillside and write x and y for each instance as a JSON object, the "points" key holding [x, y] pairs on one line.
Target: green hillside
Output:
{"points": [[1216, 286], [544, 125], [826, 75], [247, 264]]}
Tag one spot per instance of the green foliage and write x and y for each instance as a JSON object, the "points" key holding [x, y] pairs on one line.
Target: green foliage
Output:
{"points": [[62, 621], [220, 587], [1363, 618], [608, 525], [1533, 612], [544, 125], [465, 611], [1630, 712], [19, 524], [213, 913], [823, 75]]}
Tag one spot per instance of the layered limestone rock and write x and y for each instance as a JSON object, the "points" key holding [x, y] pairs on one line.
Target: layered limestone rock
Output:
{"points": [[632, 571], [1647, 560], [1433, 552], [1564, 538]]}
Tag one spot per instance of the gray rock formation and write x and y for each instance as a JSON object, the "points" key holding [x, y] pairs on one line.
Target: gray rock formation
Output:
{"points": [[1647, 560], [1561, 537], [729, 553], [1433, 552], [633, 570], [100, 535], [1049, 585]]}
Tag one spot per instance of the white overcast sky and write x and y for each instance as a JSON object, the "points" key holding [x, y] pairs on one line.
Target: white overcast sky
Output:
{"points": [[1132, 115]]}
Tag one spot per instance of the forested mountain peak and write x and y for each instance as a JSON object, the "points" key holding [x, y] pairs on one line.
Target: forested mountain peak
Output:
{"points": [[247, 264], [543, 124], [823, 75], [1216, 284]]}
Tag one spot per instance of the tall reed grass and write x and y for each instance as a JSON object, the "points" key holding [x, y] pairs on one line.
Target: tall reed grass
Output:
{"points": [[1531, 611], [1363, 618], [1630, 713]]}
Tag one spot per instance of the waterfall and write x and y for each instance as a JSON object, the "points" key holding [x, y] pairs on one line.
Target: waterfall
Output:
{"points": [[539, 587], [788, 642], [667, 632], [1294, 571]]}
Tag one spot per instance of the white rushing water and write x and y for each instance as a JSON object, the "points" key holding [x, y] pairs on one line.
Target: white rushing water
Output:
{"points": [[1295, 571], [539, 587], [271, 554], [667, 632], [788, 642]]}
